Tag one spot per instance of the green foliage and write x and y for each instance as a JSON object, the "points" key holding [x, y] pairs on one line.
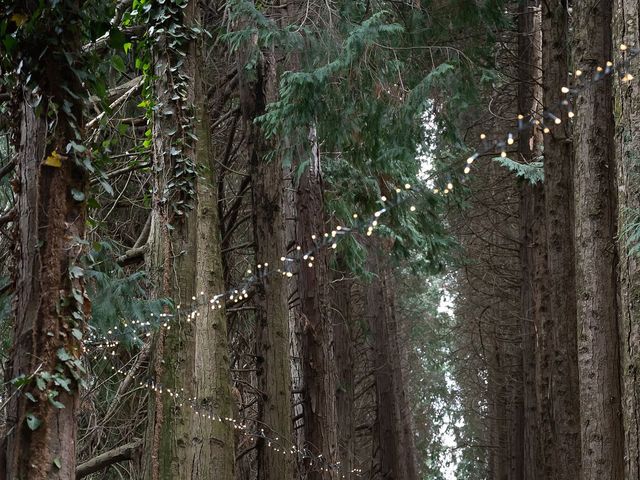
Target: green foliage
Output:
{"points": [[531, 172], [118, 298]]}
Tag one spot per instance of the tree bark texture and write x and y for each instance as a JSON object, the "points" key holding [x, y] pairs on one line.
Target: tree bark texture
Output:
{"points": [[50, 223], [627, 148], [595, 230], [192, 358], [532, 242], [271, 300], [313, 289], [394, 434], [558, 386]]}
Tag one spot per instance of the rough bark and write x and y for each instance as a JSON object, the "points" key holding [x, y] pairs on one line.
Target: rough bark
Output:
{"points": [[313, 284], [50, 222], [532, 244], [595, 229], [271, 300], [49, 296], [558, 383], [191, 358], [627, 146], [342, 327], [395, 454]]}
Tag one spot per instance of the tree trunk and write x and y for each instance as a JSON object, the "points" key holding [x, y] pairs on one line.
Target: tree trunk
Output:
{"points": [[395, 442], [272, 314], [192, 358], [533, 241], [48, 296], [627, 146], [595, 229], [313, 289], [50, 304], [558, 385], [342, 325]]}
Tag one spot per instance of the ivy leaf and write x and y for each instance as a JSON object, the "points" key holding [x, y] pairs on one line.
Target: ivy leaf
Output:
{"points": [[118, 63], [33, 422], [116, 39], [63, 355], [77, 195]]}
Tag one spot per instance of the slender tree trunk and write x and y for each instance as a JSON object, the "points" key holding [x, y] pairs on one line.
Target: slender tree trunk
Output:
{"points": [[595, 230], [50, 304], [313, 289], [272, 314], [342, 325], [533, 240], [627, 145], [192, 358], [558, 386]]}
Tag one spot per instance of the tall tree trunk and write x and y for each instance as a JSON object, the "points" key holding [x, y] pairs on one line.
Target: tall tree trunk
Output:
{"points": [[394, 434], [272, 314], [50, 222], [342, 325], [627, 145], [595, 229], [533, 240], [313, 289], [50, 302], [558, 386], [191, 358]]}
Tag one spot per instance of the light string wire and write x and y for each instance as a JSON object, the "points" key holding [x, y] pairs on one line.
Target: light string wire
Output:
{"points": [[547, 118], [240, 293]]}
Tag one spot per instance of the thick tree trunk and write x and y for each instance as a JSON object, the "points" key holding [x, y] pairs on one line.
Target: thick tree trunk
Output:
{"points": [[627, 146], [313, 289], [191, 358], [272, 314], [558, 384], [48, 296], [50, 304], [394, 433], [595, 230]]}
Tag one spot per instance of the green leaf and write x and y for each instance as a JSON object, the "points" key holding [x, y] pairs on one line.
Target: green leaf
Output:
{"points": [[118, 63], [33, 422], [76, 333], [30, 396], [57, 463], [63, 355]]}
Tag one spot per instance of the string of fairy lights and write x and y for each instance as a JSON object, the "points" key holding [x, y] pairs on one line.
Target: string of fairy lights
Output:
{"points": [[545, 120], [270, 438], [238, 294], [105, 345]]}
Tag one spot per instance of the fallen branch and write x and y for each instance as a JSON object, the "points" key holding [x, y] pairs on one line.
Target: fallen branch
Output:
{"points": [[104, 460], [7, 217]]}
